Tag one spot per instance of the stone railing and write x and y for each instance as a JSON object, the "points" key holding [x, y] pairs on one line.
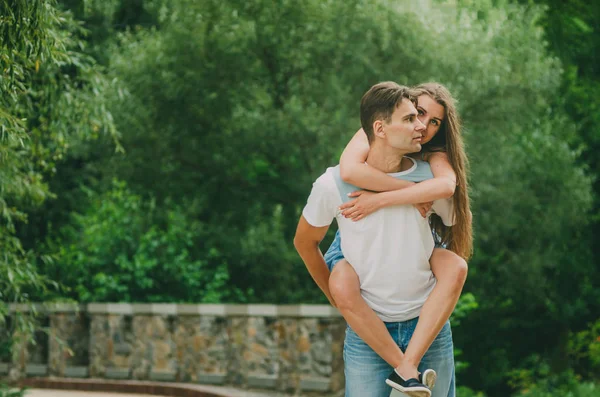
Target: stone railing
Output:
{"points": [[287, 348]]}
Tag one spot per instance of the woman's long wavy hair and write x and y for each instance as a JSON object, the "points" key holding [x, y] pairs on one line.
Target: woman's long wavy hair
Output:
{"points": [[449, 139]]}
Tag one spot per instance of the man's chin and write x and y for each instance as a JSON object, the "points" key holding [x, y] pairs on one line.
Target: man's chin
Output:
{"points": [[416, 148]]}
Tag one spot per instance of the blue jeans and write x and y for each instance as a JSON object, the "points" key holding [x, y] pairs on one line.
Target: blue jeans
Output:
{"points": [[334, 252], [366, 372]]}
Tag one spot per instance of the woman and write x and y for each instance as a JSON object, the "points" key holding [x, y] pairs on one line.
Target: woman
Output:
{"points": [[442, 147]]}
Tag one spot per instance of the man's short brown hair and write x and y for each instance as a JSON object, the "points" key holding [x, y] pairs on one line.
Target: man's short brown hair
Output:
{"points": [[380, 102]]}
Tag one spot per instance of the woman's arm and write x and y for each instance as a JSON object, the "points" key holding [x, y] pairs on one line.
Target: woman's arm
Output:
{"points": [[441, 186], [354, 170]]}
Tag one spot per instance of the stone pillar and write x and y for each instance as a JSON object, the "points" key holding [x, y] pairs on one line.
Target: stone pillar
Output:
{"points": [[261, 355], [142, 345], [68, 343], [5, 343], [28, 358], [287, 339], [315, 354], [237, 367], [111, 341], [154, 350], [202, 343], [338, 334], [101, 346], [19, 356]]}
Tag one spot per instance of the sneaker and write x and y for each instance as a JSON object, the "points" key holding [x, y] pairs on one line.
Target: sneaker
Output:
{"points": [[411, 387], [428, 378]]}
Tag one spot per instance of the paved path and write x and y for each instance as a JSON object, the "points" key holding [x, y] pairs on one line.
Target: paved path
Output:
{"points": [[69, 393], [74, 393]]}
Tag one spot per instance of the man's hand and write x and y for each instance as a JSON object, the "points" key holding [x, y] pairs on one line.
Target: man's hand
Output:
{"points": [[365, 203], [424, 208]]}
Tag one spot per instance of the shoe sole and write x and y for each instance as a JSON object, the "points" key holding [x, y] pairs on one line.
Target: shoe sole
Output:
{"points": [[412, 392], [429, 378]]}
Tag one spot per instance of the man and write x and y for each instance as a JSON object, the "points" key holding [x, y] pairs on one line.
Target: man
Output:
{"points": [[389, 249]]}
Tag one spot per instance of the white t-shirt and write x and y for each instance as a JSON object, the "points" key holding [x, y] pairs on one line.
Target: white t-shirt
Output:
{"points": [[389, 249]]}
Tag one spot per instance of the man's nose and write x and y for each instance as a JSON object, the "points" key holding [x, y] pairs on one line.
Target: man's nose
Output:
{"points": [[420, 126]]}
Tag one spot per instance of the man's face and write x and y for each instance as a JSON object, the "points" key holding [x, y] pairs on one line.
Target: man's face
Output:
{"points": [[404, 131]]}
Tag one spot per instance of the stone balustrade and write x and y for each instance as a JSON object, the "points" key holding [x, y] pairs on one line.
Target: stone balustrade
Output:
{"points": [[295, 348]]}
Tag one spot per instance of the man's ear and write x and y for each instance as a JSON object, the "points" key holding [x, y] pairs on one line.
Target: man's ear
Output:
{"points": [[378, 129]]}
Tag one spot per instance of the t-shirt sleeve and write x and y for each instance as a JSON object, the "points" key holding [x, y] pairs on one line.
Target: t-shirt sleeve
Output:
{"points": [[445, 209], [321, 206]]}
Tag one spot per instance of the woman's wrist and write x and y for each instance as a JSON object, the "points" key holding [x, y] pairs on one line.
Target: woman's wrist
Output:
{"points": [[383, 200]]}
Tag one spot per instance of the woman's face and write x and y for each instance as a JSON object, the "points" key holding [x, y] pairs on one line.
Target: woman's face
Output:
{"points": [[431, 114]]}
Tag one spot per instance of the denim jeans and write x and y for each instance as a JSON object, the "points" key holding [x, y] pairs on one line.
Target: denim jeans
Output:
{"points": [[334, 252], [366, 372]]}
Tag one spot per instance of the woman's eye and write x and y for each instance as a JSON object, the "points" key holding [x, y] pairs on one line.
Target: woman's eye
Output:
{"points": [[420, 112], [435, 122]]}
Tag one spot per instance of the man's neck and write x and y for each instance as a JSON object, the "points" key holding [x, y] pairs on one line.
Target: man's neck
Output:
{"points": [[388, 159]]}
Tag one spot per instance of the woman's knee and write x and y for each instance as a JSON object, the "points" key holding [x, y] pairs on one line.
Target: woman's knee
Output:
{"points": [[448, 267], [461, 269], [344, 285]]}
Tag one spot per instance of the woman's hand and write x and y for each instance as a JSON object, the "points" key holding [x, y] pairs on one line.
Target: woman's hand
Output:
{"points": [[424, 208], [364, 204]]}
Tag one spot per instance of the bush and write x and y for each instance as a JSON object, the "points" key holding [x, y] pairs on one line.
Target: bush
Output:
{"points": [[573, 389], [464, 391], [539, 381], [124, 249], [584, 351], [6, 391]]}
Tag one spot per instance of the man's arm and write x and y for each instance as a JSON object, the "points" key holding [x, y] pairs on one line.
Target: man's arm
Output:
{"points": [[307, 241]]}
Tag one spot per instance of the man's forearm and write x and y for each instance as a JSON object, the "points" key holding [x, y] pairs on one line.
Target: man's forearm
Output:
{"points": [[315, 263]]}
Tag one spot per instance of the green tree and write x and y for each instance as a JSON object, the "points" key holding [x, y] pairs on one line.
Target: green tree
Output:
{"points": [[51, 99], [573, 35], [120, 250], [229, 110]]}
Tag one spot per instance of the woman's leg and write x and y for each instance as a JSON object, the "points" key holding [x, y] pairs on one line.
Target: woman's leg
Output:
{"points": [[451, 273], [440, 357], [345, 289]]}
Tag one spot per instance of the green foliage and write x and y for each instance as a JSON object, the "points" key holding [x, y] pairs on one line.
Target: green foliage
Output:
{"points": [[465, 305], [573, 35], [264, 246], [51, 99], [530, 198], [228, 110], [124, 249], [565, 385], [464, 391], [584, 350], [7, 391]]}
